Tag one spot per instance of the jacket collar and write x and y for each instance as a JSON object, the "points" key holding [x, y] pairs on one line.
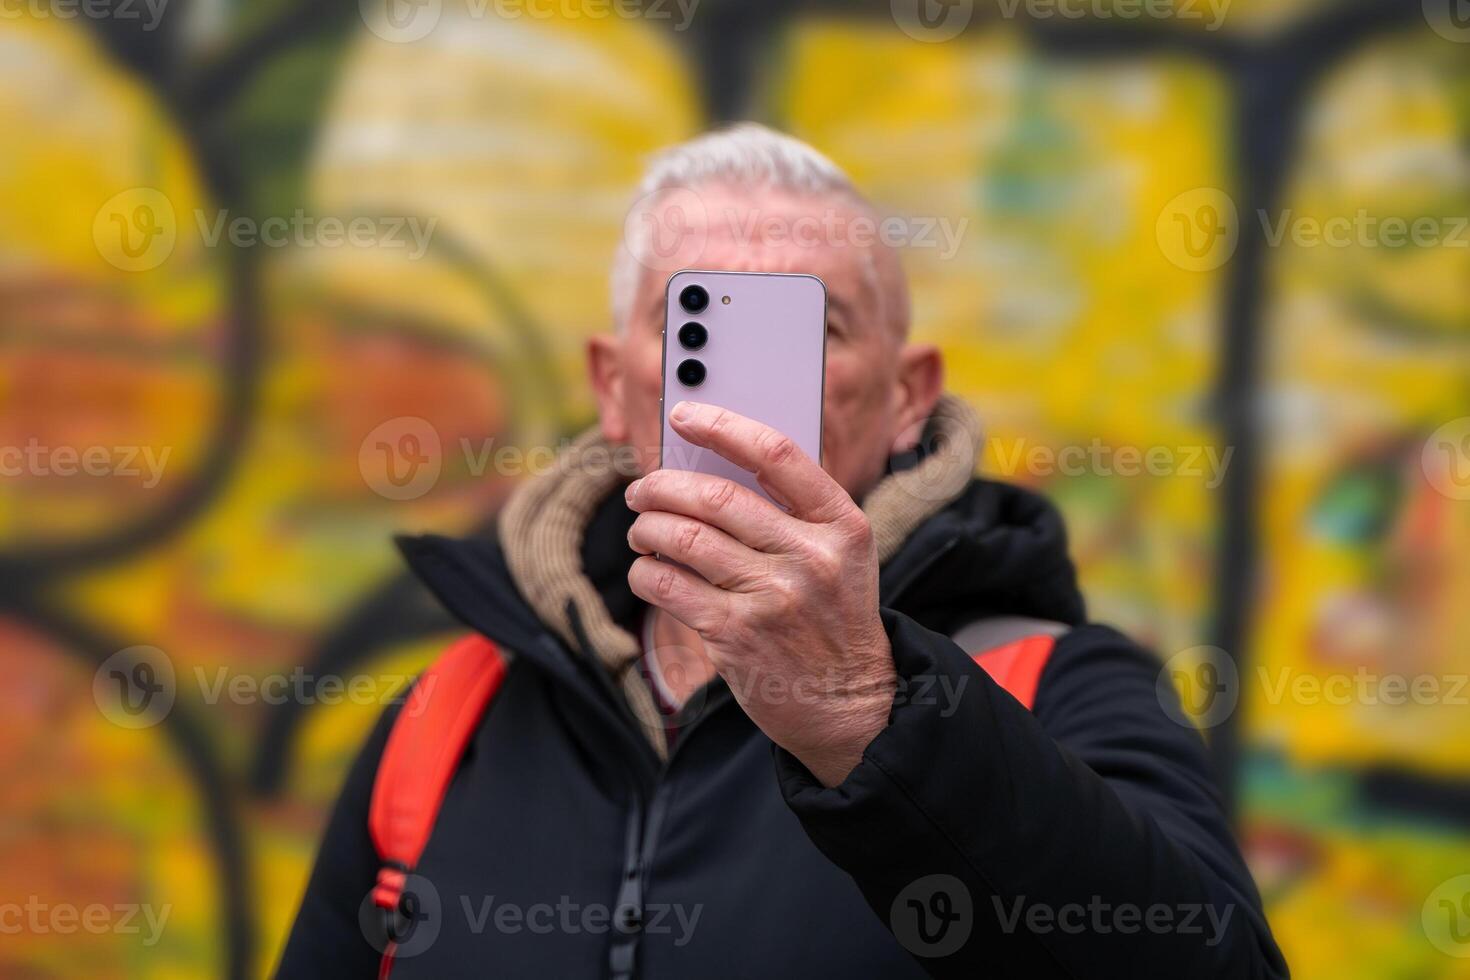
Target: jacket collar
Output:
{"points": [[953, 549]]}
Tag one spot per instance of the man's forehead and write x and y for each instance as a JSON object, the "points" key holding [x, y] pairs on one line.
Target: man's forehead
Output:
{"points": [[829, 236]]}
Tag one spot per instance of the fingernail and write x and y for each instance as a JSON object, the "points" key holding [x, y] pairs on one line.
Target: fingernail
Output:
{"points": [[682, 412], [631, 492]]}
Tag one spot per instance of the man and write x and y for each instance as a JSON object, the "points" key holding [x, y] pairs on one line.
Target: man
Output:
{"points": [[618, 812]]}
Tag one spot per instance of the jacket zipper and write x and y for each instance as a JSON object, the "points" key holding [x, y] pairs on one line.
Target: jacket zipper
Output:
{"points": [[641, 838]]}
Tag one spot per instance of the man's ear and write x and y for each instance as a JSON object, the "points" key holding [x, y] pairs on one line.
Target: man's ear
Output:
{"points": [[920, 383], [605, 371]]}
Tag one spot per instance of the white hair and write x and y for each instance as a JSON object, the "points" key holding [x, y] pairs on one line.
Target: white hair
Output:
{"points": [[743, 155]]}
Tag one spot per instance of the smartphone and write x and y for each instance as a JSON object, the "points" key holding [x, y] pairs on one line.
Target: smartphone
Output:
{"points": [[752, 342]]}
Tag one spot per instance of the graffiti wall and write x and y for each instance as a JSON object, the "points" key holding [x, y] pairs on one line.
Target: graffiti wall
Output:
{"points": [[280, 280]]}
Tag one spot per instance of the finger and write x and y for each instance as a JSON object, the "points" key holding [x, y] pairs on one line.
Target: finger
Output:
{"points": [[682, 594], [724, 562], [738, 511], [775, 458]]}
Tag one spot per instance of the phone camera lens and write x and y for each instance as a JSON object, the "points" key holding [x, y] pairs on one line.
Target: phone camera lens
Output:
{"points": [[693, 336], [694, 299], [690, 373]]}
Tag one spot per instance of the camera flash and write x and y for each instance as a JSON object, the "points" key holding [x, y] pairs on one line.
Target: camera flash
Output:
{"points": [[725, 300]]}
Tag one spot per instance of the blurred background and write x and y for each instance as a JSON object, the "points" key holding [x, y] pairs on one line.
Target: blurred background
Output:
{"points": [[279, 278]]}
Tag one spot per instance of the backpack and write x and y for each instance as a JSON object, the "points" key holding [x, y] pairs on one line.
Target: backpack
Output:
{"points": [[431, 732]]}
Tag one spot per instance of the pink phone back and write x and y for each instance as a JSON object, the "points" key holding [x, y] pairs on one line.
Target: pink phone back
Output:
{"points": [[765, 358]]}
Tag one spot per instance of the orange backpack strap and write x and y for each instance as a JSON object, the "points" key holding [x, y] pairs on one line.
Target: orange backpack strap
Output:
{"points": [[428, 739], [1013, 650]]}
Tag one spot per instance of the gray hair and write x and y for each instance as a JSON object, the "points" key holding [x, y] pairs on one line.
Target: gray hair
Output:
{"points": [[745, 155]]}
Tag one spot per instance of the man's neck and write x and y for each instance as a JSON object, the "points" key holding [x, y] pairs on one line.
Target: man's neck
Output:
{"points": [[676, 657]]}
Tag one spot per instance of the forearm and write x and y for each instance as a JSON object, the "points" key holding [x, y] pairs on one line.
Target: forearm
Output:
{"points": [[1066, 872]]}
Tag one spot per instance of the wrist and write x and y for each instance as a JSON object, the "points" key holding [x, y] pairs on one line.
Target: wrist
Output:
{"points": [[863, 714]]}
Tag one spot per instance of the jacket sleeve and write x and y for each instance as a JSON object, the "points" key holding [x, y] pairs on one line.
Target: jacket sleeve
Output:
{"points": [[328, 939], [1086, 840]]}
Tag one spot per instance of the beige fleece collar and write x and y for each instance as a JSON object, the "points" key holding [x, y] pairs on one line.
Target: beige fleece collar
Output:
{"points": [[542, 525]]}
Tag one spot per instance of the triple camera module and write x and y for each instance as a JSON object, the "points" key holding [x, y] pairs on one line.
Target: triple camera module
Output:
{"points": [[692, 336]]}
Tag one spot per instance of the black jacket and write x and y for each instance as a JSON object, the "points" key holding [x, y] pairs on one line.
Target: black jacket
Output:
{"points": [[975, 839]]}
